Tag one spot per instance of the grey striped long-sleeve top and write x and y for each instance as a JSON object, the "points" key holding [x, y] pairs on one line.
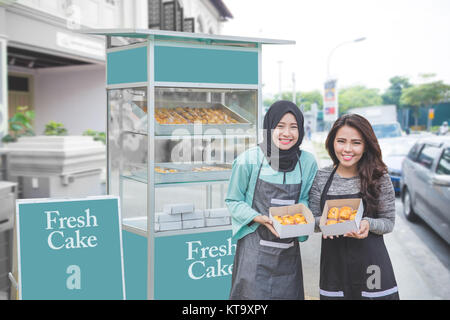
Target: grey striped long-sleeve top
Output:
{"points": [[385, 216]]}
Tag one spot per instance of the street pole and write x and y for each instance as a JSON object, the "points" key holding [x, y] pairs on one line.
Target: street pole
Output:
{"points": [[279, 78], [294, 97], [328, 125], [334, 49]]}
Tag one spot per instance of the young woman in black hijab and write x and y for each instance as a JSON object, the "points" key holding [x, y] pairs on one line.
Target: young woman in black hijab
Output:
{"points": [[283, 160], [274, 173]]}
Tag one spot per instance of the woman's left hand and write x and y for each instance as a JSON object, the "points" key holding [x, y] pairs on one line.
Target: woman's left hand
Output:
{"points": [[362, 233]]}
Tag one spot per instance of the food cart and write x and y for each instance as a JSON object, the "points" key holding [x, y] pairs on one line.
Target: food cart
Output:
{"points": [[181, 107]]}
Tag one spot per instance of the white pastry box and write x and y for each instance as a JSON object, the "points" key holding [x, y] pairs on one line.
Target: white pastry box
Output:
{"points": [[193, 220], [168, 226], [179, 208], [296, 230], [162, 217], [217, 217], [344, 227]]}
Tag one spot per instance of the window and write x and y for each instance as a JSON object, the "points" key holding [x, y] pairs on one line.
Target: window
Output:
{"points": [[444, 164], [18, 83], [428, 154], [414, 152], [390, 130]]}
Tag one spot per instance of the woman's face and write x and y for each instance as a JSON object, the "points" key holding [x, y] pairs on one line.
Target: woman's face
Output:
{"points": [[285, 134], [348, 146]]}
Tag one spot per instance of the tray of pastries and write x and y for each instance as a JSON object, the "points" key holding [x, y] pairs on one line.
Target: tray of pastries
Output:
{"points": [[206, 116], [180, 173]]}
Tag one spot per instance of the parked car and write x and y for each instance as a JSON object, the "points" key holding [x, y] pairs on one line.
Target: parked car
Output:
{"points": [[394, 151], [425, 184]]}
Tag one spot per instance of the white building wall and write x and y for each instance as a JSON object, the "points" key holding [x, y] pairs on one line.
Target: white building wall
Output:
{"points": [[134, 14], [207, 19], [89, 13], [74, 96]]}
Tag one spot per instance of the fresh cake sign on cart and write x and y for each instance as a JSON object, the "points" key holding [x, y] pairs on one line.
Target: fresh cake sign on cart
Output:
{"points": [[70, 249]]}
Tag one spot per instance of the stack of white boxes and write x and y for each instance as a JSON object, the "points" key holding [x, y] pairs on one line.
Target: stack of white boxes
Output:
{"points": [[184, 216], [217, 217]]}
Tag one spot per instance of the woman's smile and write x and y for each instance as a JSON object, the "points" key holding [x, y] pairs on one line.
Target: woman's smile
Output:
{"points": [[347, 157], [286, 141]]}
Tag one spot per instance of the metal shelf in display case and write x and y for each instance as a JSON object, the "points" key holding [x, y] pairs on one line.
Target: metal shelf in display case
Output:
{"points": [[183, 173]]}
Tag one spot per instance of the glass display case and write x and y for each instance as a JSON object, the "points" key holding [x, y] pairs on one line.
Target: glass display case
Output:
{"points": [[198, 133], [181, 108]]}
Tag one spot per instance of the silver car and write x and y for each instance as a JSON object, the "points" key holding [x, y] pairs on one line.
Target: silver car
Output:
{"points": [[425, 184]]}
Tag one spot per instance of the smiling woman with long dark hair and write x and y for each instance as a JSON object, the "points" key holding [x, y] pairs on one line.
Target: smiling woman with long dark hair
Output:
{"points": [[357, 265], [370, 167]]}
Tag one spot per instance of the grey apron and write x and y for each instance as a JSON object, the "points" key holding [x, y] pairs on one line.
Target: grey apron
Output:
{"points": [[266, 267]]}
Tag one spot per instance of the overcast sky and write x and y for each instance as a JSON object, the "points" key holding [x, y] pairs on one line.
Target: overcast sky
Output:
{"points": [[404, 37]]}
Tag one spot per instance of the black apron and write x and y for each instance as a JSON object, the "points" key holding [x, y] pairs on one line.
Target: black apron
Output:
{"points": [[355, 268], [266, 267]]}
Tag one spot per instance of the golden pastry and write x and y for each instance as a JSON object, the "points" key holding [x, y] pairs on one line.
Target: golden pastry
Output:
{"points": [[278, 218], [330, 222], [165, 170], [288, 220], [333, 213], [299, 218], [352, 216], [345, 213]]}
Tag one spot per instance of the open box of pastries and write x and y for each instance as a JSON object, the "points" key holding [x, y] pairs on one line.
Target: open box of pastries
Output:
{"points": [[341, 216]]}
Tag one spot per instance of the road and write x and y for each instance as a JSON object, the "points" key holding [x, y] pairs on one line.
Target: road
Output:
{"points": [[420, 258], [427, 235]]}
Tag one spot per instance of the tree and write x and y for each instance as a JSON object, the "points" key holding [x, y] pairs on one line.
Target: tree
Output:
{"points": [[424, 95], [394, 92], [310, 97], [358, 96], [306, 99]]}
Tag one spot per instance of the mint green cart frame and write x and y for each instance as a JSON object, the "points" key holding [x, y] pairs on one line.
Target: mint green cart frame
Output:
{"points": [[184, 60]]}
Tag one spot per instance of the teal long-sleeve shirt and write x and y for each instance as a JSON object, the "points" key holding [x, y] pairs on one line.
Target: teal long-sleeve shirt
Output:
{"points": [[242, 185]]}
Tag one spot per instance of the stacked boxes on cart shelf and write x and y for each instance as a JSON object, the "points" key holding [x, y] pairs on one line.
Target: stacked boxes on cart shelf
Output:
{"points": [[185, 216]]}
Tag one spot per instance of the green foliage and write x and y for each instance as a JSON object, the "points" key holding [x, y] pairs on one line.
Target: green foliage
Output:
{"points": [[301, 98], [394, 92], [310, 97], [358, 96], [55, 129], [20, 124], [424, 95], [401, 93], [96, 135]]}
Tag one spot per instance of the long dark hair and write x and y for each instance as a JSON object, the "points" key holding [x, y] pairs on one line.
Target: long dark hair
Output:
{"points": [[371, 166]]}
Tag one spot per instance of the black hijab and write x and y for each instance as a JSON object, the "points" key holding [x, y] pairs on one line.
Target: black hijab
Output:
{"points": [[286, 159]]}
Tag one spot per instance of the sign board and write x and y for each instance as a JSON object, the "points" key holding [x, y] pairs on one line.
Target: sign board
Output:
{"points": [[80, 44], [70, 249], [330, 101], [431, 113], [194, 266]]}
